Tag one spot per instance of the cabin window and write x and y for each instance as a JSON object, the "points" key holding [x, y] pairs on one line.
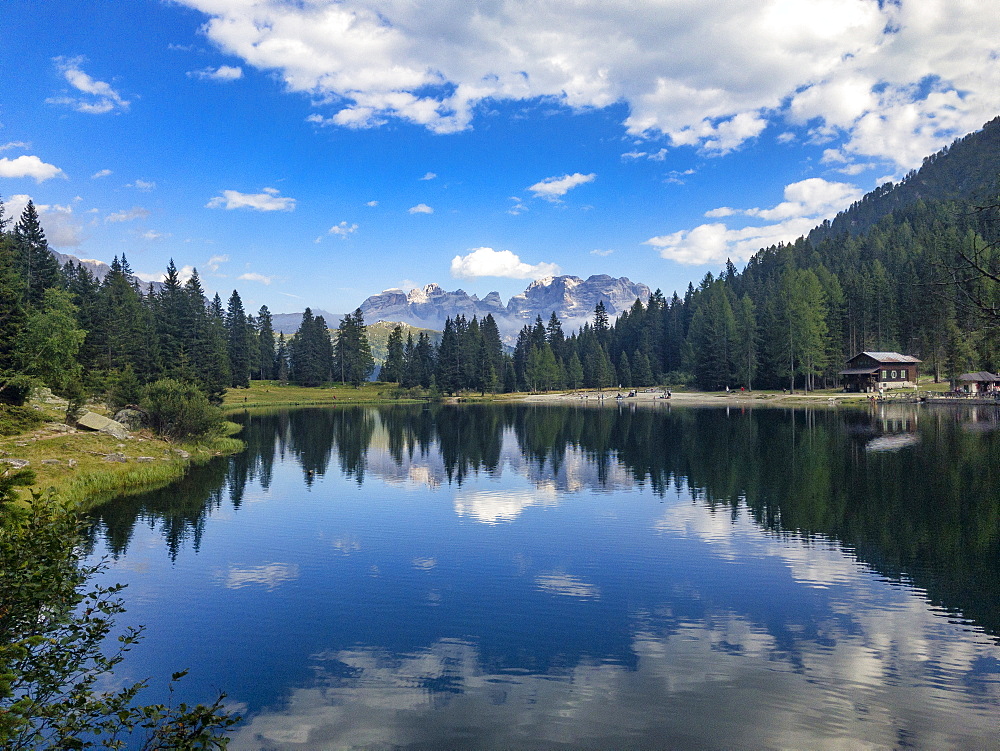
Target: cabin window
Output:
{"points": [[885, 375], [894, 375]]}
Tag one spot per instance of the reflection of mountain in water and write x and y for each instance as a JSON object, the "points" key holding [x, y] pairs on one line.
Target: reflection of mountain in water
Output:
{"points": [[928, 510]]}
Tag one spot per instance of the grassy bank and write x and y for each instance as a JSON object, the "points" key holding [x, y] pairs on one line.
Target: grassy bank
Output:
{"points": [[276, 394], [90, 468]]}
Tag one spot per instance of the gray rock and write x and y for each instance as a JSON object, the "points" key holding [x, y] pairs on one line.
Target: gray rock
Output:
{"points": [[71, 462], [116, 458], [145, 459], [132, 419], [182, 453], [51, 461], [94, 421], [16, 463]]}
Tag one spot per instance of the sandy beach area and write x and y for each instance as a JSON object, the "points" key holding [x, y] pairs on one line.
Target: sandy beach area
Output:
{"points": [[655, 397]]}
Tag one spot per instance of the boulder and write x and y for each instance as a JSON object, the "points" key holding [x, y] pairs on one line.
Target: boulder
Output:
{"points": [[132, 419], [16, 463], [116, 458], [94, 421]]}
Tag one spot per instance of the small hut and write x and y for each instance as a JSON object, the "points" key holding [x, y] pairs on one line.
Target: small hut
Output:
{"points": [[869, 372], [981, 382]]}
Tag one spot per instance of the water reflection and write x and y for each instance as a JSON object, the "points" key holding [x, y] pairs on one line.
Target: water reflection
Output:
{"points": [[530, 577]]}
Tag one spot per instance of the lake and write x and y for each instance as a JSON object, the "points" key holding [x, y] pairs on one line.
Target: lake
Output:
{"points": [[534, 577]]}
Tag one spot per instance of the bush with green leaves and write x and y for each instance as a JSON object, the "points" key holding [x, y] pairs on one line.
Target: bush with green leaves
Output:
{"points": [[54, 667], [179, 410]]}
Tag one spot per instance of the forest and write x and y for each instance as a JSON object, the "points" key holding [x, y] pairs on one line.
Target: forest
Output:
{"points": [[909, 268]]}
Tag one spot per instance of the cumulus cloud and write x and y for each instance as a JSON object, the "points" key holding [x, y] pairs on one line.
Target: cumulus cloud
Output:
{"points": [[136, 212], [100, 173], [222, 74], [29, 166], [806, 204], [421, 208], [503, 263], [251, 276], [343, 230], [62, 229], [270, 199], [98, 97], [144, 185], [896, 79], [429, 176], [372, 204], [553, 188], [215, 261]]}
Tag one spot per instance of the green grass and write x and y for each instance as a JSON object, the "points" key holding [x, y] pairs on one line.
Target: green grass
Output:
{"points": [[275, 394]]}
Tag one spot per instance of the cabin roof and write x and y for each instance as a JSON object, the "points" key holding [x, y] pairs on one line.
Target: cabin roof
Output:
{"points": [[889, 357], [981, 376]]}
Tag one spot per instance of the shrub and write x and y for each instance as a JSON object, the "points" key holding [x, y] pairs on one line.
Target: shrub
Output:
{"points": [[179, 410], [16, 389]]}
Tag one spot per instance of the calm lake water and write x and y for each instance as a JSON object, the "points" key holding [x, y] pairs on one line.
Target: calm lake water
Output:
{"points": [[523, 577]]}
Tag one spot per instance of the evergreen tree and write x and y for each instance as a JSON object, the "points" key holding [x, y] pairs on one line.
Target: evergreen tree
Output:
{"points": [[265, 363], [392, 369], [12, 315], [352, 353], [39, 268], [240, 344]]}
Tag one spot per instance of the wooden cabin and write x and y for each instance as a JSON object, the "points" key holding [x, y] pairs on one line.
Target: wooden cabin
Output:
{"points": [[981, 382], [871, 372]]}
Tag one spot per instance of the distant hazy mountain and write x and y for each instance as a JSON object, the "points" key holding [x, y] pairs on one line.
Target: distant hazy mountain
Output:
{"points": [[571, 298], [100, 269], [288, 323]]}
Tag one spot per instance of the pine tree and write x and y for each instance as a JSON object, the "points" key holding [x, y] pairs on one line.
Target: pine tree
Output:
{"points": [[239, 341], [392, 369], [38, 266], [12, 315], [264, 367]]}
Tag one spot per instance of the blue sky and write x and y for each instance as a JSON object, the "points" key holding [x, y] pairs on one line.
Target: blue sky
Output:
{"points": [[311, 152]]}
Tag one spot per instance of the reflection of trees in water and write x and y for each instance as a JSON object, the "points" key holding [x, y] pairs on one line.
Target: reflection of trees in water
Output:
{"points": [[930, 510]]}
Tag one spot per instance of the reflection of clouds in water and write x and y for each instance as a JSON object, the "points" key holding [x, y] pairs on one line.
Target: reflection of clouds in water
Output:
{"points": [[346, 545], [269, 575], [559, 583], [892, 442], [817, 563], [724, 682], [496, 506]]}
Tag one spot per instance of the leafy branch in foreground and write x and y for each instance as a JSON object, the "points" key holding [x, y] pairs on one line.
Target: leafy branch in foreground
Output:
{"points": [[54, 668]]}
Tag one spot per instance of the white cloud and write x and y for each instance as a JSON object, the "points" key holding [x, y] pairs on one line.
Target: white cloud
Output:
{"points": [[136, 212], [518, 207], [100, 173], [144, 185], [214, 262], [99, 97], [62, 230], [429, 176], [897, 79], [806, 204], [343, 230], [653, 156], [421, 208], [153, 235], [372, 204], [222, 74], [601, 253], [29, 166], [251, 276], [552, 188], [268, 200], [15, 145], [502, 263]]}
